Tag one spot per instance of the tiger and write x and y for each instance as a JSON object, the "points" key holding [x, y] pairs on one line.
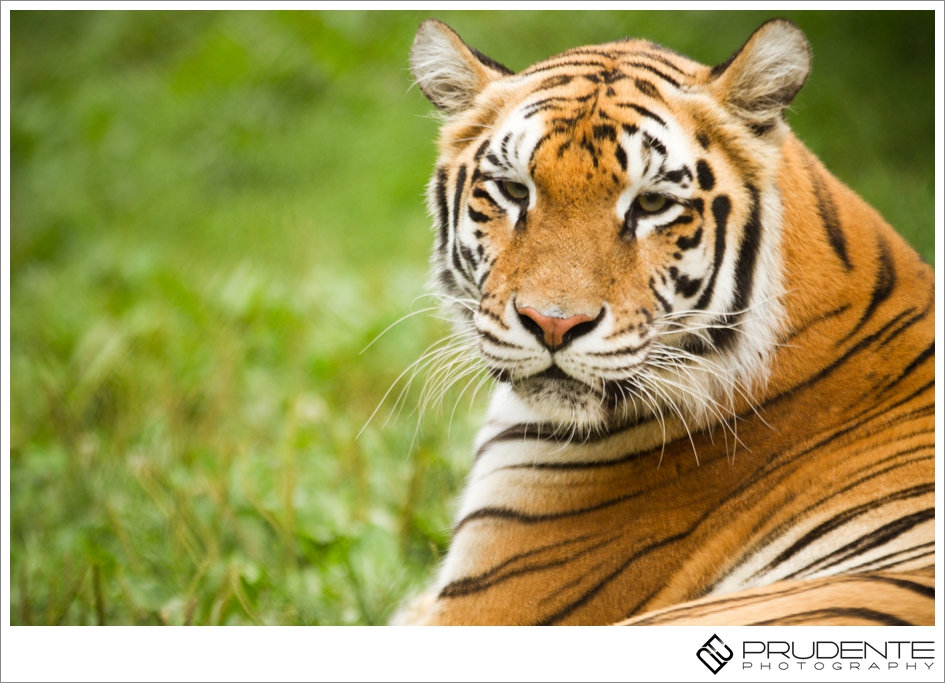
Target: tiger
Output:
{"points": [[713, 361]]}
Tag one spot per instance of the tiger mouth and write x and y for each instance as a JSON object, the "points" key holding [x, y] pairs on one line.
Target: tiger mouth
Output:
{"points": [[609, 395], [554, 373], [552, 378], [557, 382]]}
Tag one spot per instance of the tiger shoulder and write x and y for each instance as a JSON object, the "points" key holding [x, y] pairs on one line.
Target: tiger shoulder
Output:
{"points": [[714, 362]]}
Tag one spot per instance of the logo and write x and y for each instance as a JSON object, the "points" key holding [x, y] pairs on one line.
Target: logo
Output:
{"points": [[711, 654]]}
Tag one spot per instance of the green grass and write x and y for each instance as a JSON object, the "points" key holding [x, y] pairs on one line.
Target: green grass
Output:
{"points": [[213, 214]]}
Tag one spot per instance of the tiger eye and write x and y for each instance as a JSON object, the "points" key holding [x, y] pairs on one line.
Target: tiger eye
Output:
{"points": [[651, 202], [514, 190]]}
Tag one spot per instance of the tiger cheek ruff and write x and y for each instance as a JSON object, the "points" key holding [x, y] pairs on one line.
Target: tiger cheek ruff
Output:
{"points": [[714, 361]]}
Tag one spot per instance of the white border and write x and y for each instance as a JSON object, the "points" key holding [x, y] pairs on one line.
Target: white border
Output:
{"points": [[339, 653]]}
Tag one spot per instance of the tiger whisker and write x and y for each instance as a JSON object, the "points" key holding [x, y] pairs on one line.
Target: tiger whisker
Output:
{"points": [[644, 377], [430, 359], [707, 402], [720, 375], [476, 373], [424, 359], [397, 322]]}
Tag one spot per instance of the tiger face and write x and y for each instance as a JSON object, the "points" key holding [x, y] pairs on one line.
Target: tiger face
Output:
{"points": [[593, 211]]}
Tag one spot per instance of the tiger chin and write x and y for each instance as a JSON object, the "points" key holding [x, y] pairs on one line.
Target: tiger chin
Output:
{"points": [[714, 362]]}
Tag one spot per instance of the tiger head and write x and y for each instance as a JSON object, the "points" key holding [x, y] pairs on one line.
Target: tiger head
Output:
{"points": [[608, 220]]}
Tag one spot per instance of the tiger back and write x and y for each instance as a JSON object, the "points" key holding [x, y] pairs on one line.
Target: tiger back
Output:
{"points": [[714, 362]]}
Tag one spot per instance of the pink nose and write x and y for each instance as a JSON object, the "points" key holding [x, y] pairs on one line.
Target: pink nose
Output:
{"points": [[554, 328]]}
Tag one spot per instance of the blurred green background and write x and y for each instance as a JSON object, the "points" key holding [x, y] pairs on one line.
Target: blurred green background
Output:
{"points": [[213, 213]]}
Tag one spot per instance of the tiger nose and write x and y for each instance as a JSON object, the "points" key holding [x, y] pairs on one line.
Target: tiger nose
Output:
{"points": [[555, 332]]}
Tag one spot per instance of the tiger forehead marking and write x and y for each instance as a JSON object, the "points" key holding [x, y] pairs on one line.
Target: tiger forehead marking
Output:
{"points": [[659, 274]]}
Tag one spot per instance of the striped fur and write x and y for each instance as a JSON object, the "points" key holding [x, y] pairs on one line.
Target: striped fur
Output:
{"points": [[866, 599], [745, 410]]}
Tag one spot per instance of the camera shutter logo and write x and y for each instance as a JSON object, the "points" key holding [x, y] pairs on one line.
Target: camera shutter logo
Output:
{"points": [[715, 654]]}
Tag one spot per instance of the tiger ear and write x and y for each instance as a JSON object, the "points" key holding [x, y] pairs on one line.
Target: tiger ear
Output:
{"points": [[760, 80], [449, 72]]}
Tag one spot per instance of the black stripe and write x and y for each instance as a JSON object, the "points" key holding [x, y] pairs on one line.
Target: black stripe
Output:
{"points": [[721, 207], [554, 82], [833, 612], [655, 71], [686, 243], [504, 146], [796, 332], [647, 89], [458, 263], [621, 157], [494, 317], [682, 219], [725, 603], [874, 474], [687, 287], [748, 254], [665, 304], [482, 278], [863, 343], [458, 193], [605, 132], [477, 216], [928, 556], [640, 603], [828, 215], [525, 518], [557, 98], [443, 210], [552, 432], [924, 411], [591, 149], [793, 588], [882, 288], [839, 520], [498, 342], [590, 50], [921, 358], [567, 64], [908, 323], [612, 76], [584, 599], [785, 461], [704, 175], [643, 111], [543, 107], [884, 561], [744, 274], [650, 142], [475, 584], [468, 257], [626, 350], [541, 141], [479, 193], [661, 60], [676, 176], [875, 539], [589, 465], [563, 124]]}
